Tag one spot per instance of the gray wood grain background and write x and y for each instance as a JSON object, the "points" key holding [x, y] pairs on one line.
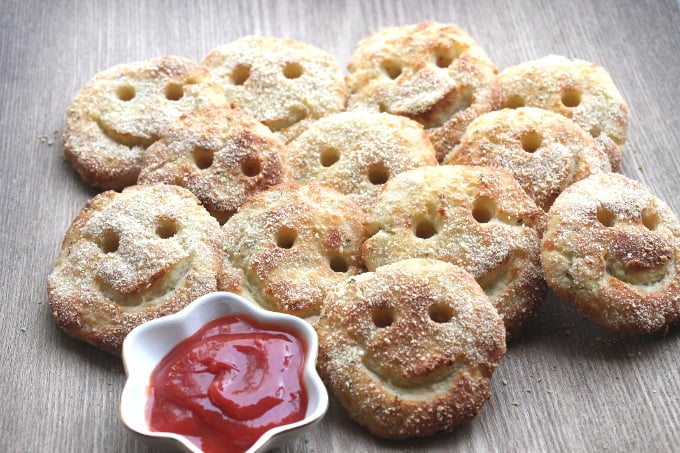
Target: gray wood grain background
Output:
{"points": [[566, 385]]}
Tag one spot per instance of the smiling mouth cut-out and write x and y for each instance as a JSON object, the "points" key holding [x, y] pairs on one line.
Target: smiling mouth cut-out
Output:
{"points": [[427, 383], [163, 283], [129, 140], [640, 260], [295, 115], [457, 100]]}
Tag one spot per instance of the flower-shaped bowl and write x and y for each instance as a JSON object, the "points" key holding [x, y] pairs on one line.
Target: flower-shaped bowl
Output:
{"points": [[149, 343]]}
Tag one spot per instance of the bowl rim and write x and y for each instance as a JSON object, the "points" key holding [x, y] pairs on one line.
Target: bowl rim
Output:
{"points": [[188, 321]]}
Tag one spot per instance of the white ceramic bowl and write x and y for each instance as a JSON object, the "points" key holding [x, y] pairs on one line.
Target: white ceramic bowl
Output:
{"points": [[147, 344]]}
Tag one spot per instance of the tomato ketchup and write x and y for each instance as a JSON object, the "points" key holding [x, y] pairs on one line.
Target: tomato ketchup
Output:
{"points": [[227, 384]]}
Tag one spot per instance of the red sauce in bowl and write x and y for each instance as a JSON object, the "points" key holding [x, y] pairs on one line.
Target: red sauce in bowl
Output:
{"points": [[227, 384]]}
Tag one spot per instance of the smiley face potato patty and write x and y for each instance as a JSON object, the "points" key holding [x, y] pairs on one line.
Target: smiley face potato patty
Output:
{"points": [[612, 248], [284, 83], [409, 349], [131, 257], [122, 110]]}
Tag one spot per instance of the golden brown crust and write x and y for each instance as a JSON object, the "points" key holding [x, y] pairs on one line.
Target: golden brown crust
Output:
{"points": [[544, 150], [431, 72], [124, 109], [131, 257], [286, 246], [580, 90], [478, 218], [410, 348], [221, 154], [612, 248], [284, 83], [356, 152]]}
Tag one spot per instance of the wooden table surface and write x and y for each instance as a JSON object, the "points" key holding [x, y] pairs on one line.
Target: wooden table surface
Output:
{"points": [[566, 385]]}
